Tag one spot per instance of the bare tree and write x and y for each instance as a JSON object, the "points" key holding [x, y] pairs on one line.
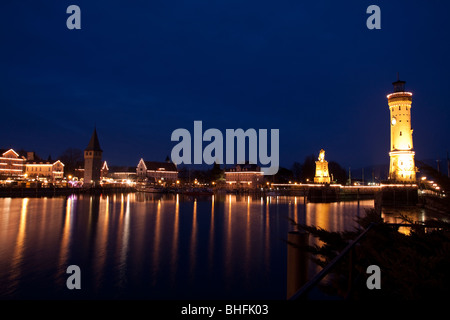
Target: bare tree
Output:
{"points": [[72, 159]]}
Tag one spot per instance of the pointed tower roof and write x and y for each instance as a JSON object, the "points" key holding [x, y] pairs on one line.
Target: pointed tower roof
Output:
{"points": [[93, 145]]}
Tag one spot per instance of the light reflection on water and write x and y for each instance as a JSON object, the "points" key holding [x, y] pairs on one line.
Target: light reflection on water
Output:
{"points": [[414, 214], [156, 246]]}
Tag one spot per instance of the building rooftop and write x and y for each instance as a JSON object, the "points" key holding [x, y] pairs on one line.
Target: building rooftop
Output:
{"points": [[245, 167], [160, 166], [94, 144]]}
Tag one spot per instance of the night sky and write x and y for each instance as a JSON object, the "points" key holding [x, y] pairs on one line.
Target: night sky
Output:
{"points": [[137, 70]]}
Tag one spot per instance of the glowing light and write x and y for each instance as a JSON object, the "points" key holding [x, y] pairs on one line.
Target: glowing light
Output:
{"points": [[12, 159], [12, 151], [160, 171], [244, 172], [399, 94]]}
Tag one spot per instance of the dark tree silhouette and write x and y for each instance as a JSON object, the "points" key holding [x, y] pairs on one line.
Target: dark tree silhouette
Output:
{"points": [[283, 176], [309, 169], [72, 159], [413, 266], [297, 171], [339, 173], [216, 173]]}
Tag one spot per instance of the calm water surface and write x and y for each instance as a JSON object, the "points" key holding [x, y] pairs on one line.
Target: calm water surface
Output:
{"points": [[151, 246]]}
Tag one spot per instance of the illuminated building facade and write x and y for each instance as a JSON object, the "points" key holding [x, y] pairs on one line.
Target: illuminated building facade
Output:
{"points": [[104, 171], [245, 175], [402, 167], [92, 161], [322, 173], [11, 163], [29, 165], [154, 171], [123, 173], [49, 170]]}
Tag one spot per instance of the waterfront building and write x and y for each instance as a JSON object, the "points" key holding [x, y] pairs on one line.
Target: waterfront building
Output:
{"points": [[246, 175], [92, 161], [154, 171], [12, 164], [24, 164], [402, 167], [322, 173], [104, 171], [122, 173], [50, 170]]}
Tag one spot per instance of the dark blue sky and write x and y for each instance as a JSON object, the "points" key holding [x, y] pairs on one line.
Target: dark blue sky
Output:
{"points": [[140, 69]]}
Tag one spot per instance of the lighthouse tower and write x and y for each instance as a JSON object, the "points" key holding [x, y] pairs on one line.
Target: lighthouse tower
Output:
{"points": [[402, 168]]}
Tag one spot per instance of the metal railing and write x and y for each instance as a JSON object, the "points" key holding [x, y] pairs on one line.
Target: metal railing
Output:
{"points": [[306, 288], [302, 293]]}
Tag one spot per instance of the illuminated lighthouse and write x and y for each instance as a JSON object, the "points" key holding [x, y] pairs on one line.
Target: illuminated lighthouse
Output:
{"points": [[402, 168]]}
